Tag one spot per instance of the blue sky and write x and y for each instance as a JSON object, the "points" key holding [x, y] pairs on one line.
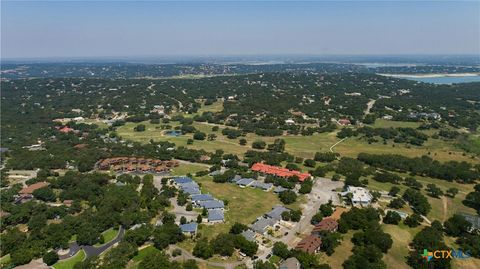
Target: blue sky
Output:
{"points": [[127, 28]]}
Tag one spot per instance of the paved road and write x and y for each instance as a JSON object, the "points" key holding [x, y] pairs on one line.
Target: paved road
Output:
{"points": [[321, 194], [92, 250], [180, 211]]}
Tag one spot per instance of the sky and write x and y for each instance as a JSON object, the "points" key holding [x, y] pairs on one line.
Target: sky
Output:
{"points": [[157, 28]]}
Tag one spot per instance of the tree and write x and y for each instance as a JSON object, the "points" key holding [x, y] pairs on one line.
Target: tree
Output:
{"points": [[288, 197], [238, 228], [211, 137], [280, 249], [392, 217], [224, 244], [306, 187], [396, 203], [203, 249], [140, 128], [457, 225], [189, 207], [316, 218], [167, 234], [330, 241], [199, 135], [373, 235], [243, 141], [473, 199], [295, 215], [50, 258], [413, 220], [309, 163], [259, 144], [263, 265], [417, 201], [183, 220], [21, 256], [452, 192], [45, 194], [190, 264], [394, 191], [199, 219], [326, 209], [434, 191]]}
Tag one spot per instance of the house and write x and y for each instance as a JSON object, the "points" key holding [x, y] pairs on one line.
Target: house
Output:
{"points": [[189, 228], [327, 224], [211, 204], [215, 216], [30, 189], [201, 197], [182, 180], [344, 122], [245, 182], [190, 185], [262, 225], [261, 185], [249, 235], [474, 220], [360, 196], [403, 215], [276, 212], [236, 178], [22, 198], [310, 244], [290, 263], [289, 122], [279, 171], [68, 203], [192, 191], [279, 189]]}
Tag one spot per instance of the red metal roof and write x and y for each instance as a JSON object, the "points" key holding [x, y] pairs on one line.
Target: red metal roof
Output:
{"points": [[309, 244], [279, 171]]}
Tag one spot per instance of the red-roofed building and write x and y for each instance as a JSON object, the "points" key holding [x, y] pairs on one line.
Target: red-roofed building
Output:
{"points": [[344, 122], [279, 171], [327, 224], [30, 189], [310, 244], [66, 129]]}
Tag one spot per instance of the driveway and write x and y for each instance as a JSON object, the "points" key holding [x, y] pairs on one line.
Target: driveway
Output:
{"points": [[92, 250]]}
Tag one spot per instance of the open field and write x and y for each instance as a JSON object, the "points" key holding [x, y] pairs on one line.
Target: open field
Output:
{"points": [[69, 263], [401, 235], [342, 252], [302, 146]]}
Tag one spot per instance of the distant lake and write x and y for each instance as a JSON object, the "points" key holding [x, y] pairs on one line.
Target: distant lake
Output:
{"points": [[446, 80], [438, 79]]}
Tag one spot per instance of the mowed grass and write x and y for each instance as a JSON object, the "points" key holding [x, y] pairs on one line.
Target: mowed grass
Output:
{"points": [[244, 204], [342, 252], [108, 236], [401, 235], [301, 146], [69, 263], [184, 169]]}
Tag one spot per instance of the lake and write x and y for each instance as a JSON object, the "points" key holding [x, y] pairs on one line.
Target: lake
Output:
{"points": [[446, 80]]}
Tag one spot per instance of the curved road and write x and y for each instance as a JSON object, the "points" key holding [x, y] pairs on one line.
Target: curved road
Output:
{"points": [[92, 250]]}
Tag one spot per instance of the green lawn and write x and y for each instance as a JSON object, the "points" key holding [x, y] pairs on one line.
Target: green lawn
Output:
{"points": [[184, 169], [342, 252], [401, 235], [5, 259], [302, 146], [108, 236], [69, 263]]}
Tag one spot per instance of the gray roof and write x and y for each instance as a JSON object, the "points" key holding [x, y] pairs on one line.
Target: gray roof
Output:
{"points": [[201, 197], [188, 185], [290, 263], [182, 180], [249, 235], [279, 189], [211, 204], [189, 227], [192, 191], [215, 215], [474, 220], [245, 181], [261, 185], [261, 224], [276, 212]]}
